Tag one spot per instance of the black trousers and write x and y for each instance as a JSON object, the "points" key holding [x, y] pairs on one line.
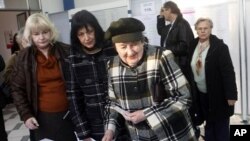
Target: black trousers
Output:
{"points": [[214, 130], [53, 126], [3, 134]]}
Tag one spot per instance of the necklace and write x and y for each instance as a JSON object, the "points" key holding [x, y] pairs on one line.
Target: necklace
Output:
{"points": [[199, 63]]}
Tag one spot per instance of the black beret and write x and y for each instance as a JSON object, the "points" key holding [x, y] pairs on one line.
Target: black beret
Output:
{"points": [[125, 30]]}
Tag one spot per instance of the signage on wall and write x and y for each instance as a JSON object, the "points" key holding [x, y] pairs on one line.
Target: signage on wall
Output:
{"points": [[148, 8]]}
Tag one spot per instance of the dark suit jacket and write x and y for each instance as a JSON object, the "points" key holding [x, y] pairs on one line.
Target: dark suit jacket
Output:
{"points": [[178, 38]]}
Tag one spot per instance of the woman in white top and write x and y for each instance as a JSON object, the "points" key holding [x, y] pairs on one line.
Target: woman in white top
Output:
{"points": [[212, 80]]}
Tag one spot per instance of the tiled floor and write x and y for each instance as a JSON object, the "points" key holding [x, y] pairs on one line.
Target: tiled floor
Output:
{"points": [[18, 132], [15, 128]]}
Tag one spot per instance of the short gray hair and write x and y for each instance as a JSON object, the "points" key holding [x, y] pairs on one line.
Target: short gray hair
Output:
{"points": [[204, 20]]}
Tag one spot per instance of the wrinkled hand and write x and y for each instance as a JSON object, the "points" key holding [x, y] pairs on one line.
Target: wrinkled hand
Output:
{"points": [[31, 123], [108, 136], [231, 102], [135, 117]]}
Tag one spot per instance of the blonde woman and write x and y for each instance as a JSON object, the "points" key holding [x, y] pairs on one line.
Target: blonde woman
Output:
{"points": [[38, 86]]}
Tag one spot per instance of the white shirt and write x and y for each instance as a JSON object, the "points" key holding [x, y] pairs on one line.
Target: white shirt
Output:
{"points": [[201, 78]]}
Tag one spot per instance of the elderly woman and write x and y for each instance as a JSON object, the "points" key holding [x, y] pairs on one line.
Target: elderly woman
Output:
{"points": [[38, 86], [213, 81], [146, 87]]}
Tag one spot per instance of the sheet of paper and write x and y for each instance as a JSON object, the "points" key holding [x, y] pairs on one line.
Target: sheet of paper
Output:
{"points": [[46, 139], [119, 110]]}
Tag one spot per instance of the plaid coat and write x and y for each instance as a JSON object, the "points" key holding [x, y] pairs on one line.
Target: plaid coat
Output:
{"points": [[87, 90], [156, 86]]}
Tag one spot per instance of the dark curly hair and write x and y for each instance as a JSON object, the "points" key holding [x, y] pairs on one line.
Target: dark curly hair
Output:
{"points": [[83, 19]]}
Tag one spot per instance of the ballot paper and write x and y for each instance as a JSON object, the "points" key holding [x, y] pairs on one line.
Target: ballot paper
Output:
{"points": [[90, 138], [119, 110], [46, 139]]}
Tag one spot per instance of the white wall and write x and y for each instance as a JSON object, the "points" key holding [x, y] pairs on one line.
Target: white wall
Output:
{"points": [[52, 6], [61, 22], [86, 3], [247, 39]]}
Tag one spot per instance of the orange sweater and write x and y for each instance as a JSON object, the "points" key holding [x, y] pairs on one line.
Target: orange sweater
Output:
{"points": [[51, 86]]}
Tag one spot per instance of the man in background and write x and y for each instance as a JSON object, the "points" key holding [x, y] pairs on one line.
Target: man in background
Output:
{"points": [[176, 35]]}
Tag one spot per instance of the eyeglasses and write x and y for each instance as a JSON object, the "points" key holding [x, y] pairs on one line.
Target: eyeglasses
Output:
{"points": [[202, 29]]}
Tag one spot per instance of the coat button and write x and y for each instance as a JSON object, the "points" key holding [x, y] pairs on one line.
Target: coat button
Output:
{"points": [[92, 100], [135, 89], [88, 81]]}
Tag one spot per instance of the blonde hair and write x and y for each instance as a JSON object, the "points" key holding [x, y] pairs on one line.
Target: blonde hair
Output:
{"points": [[39, 21], [203, 20]]}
